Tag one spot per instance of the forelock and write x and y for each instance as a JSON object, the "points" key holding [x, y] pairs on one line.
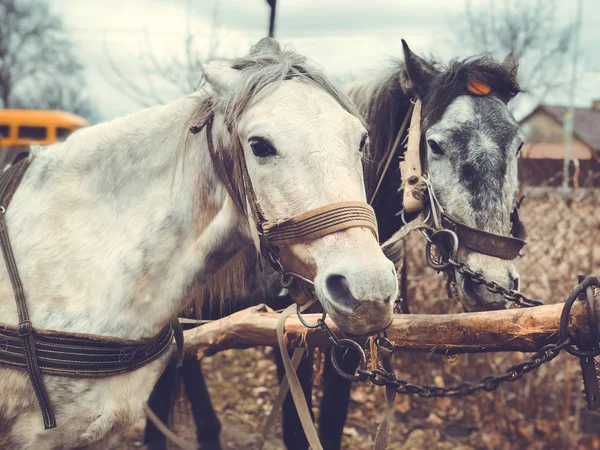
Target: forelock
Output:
{"points": [[451, 82], [263, 69]]}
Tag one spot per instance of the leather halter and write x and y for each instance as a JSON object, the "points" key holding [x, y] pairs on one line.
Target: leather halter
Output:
{"points": [[504, 247], [58, 352], [303, 227], [415, 182]]}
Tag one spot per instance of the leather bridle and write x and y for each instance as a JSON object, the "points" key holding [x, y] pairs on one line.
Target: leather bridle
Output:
{"points": [[418, 195], [277, 233]]}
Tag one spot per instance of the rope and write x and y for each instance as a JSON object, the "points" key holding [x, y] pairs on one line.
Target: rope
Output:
{"points": [[164, 429]]}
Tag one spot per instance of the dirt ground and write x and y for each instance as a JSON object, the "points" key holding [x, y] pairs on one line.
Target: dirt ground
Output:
{"points": [[544, 410]]}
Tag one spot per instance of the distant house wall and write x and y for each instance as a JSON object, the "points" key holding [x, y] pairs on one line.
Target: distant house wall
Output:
{"points": [[548, 172], [540, 127], [541, 161]]}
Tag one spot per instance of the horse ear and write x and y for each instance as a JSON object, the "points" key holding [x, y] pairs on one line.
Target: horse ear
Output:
{"points": [[418, 73], [221, 78], [511, 64]]}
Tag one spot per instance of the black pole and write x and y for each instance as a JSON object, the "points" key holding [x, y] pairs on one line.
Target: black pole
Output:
{"points": [[273, 5]]}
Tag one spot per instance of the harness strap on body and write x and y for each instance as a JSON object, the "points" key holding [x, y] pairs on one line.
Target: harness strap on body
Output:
{"points": [[382, 437], [56, 352], [8, 185]]}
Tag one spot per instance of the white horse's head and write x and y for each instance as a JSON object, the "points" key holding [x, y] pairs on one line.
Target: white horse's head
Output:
{"points": [[303, 142], [473, 144]]}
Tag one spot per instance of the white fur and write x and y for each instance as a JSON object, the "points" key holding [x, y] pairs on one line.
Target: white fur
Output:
{"points": [[455, 197], [109, 227]]}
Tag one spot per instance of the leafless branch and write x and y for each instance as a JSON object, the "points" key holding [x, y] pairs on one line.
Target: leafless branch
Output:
{"points": [[179, 71], [38, 67], [531, 31]]}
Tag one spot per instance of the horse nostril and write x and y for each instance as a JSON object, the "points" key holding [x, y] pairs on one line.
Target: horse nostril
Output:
{"points": [[339, 290]]}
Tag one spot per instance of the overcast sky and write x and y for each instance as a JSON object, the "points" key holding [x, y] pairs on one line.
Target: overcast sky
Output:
{"points": [[345, 37]]}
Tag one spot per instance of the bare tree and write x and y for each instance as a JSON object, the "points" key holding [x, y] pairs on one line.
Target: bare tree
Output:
{"points": [[37, 61], [61, 96], [532, 31], [177, 73]]}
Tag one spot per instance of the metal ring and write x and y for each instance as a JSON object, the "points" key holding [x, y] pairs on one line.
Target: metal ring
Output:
{"points": [[564, 334], [427, 217], [300, 277], [439, 264], [306, 324], [348, 343], [287, 279], [384, 342]]}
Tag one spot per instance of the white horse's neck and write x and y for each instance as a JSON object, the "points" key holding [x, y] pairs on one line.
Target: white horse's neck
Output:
{"points": [[109, 227]]}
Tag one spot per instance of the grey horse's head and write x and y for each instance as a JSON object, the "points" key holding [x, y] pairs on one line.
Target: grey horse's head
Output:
{"points": [[473, 144]]}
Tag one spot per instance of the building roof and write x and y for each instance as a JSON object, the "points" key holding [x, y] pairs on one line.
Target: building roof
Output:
{"points": [[586, 122]]}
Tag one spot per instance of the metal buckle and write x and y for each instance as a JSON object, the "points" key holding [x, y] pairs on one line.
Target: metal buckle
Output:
{"points": [[24, 328]]}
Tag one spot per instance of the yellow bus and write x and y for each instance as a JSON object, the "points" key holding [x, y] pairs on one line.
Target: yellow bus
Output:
{"points": [[20, 128]]}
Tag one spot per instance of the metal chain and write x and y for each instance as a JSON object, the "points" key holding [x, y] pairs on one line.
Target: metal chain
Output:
{"points": [[445, 261], [382, 377], [510, 295]]}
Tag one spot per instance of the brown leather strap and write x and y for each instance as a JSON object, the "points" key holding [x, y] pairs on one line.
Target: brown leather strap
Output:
{"points": [[320, 222], [179, 340], [295, 388], [284, 388], [9, 181], [392, 152], [382, 436], [411, 166], [78, 355], [504, 247], [256, 211], [219, 165]]}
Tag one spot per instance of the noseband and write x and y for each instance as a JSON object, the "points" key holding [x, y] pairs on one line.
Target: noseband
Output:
{"points": [[273, 234]]}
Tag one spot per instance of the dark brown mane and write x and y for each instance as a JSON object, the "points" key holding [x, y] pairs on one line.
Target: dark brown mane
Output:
{"points": [[451, 81]]}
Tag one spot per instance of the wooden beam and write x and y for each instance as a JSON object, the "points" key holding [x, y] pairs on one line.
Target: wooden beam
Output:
{"points": [[525, 329]]}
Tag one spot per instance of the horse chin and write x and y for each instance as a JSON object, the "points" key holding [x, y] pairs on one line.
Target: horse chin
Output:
{"points": [[365, 319], [477, 300]]}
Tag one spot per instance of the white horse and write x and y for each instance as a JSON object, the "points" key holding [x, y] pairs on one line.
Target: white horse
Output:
{"points": [[110, 226]]}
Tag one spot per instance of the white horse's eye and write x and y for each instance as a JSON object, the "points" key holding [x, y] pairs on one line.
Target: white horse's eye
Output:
{"points": [[261, 147], [435, 147]]}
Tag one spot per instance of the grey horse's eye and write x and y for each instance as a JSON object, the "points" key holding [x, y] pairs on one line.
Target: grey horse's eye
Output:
{"points": [[435, 147], [520, 148], [261, 147]]}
